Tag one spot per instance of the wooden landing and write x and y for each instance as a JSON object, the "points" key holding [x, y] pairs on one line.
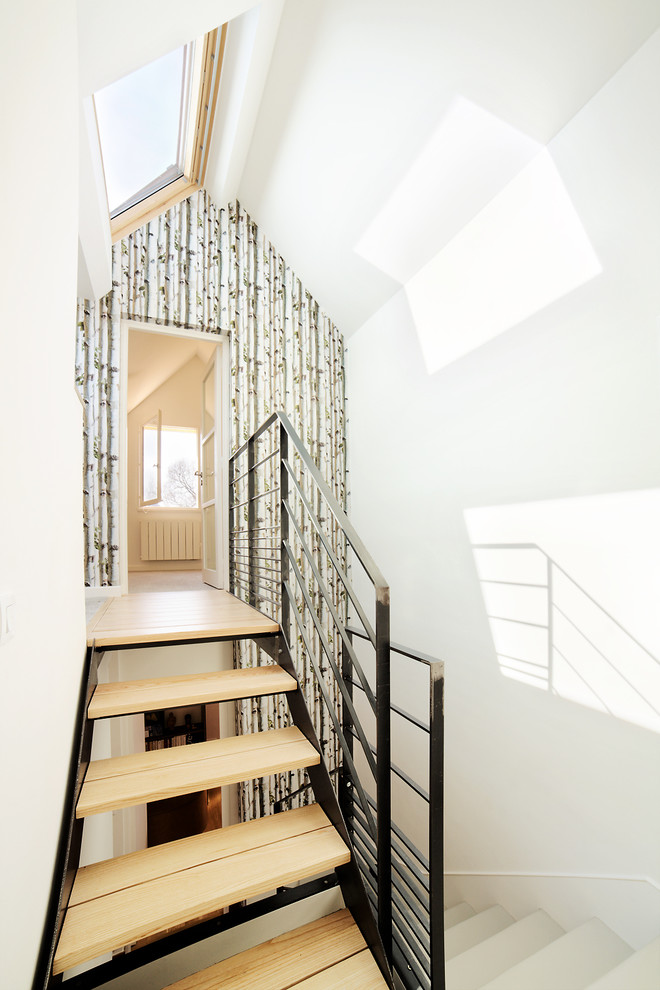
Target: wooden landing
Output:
{"points": [[126, 697], [174, 616], [324, 954], [145, 894], [124, 781]]}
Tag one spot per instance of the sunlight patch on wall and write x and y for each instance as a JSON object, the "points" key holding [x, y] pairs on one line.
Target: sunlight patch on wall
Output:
{"points": [[559, 589], [470, 157], [525, 250]]}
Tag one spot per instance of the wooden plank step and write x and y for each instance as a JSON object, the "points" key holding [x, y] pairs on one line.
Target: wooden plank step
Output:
{"points": [[144, 894], [292, 959], [124, 781], [170, 616], [127, 697]]}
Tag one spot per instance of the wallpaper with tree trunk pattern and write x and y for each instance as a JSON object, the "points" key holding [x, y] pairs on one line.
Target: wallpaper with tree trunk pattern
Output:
{"points": [[212, 270]]}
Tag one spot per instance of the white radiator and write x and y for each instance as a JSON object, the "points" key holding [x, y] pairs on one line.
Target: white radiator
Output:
{"points": [[170, 540]]}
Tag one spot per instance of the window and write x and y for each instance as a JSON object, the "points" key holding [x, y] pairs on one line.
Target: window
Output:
{"points": [[170, 466], [155, 129]]}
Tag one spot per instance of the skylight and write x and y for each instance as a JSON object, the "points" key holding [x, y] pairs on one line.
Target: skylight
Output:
{"points": [[155, 127], [142, 121]]}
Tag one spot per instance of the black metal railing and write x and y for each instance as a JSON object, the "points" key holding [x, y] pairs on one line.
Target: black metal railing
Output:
{"points": [[417, 861], [292, 549]]}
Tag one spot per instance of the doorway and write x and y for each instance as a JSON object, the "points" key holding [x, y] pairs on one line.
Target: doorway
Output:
{"points": [[172, 467]]}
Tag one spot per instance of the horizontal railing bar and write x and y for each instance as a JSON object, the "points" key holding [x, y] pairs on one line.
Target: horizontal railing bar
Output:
{"points": [[348, 701], [402, 650], [259, 569], [419, 925], [258, 529], [411, 923], [409, 844], [263, 460], [256, 539], [348, 758], [257, 433], [335, 562], [411, 959], [399, 847], [395, 708], [421, 906], [352, 537], [341, 628], [407, 958], [239, 505], [403, 775]]}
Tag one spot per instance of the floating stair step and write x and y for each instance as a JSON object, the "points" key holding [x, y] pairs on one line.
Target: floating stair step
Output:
{"points": [[124, 781], [641, 971], [483, 962], [459, 912], [128, 697], [146, 893], [176, 616], [464, 935], [297, 958], [571, 962]]}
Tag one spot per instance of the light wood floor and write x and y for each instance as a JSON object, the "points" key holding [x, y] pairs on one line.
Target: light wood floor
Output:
{"points": [[172, 616]]}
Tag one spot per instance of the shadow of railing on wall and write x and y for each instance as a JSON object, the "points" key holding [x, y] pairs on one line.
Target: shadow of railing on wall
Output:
{"points": [[549, 632]]}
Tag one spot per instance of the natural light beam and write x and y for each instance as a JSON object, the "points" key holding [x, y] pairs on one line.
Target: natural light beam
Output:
{"points": [[526, 249], [470, 157]]}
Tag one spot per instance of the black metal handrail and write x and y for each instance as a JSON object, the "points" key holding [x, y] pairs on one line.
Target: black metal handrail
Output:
{"points": [[291, 549]]}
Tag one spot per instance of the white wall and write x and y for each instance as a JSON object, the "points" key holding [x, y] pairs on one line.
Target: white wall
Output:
{"points": [[563, 406], [41, 454], [179, 399]]}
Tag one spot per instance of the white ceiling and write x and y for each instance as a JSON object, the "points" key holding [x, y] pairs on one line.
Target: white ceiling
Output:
{"points": [[155, 357], [324, 132], [357, 89]]}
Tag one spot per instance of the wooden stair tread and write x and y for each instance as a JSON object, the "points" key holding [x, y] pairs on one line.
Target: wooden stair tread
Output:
{"points": [[141, 904], [357, 971], [99, 879], [170, 616], [284, 961], [127, 697], [124, 781]]}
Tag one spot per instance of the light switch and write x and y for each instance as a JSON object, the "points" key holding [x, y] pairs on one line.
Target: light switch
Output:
{"points": [[7, 615]]}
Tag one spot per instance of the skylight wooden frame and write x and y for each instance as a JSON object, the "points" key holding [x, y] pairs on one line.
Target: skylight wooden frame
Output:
{"points": [[197, 148]]}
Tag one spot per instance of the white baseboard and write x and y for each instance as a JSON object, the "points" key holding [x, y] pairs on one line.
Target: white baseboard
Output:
{"points": [[109, 591], [630, 905]]}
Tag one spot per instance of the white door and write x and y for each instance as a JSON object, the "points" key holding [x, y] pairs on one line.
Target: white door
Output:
{"points": [[212, 475]]}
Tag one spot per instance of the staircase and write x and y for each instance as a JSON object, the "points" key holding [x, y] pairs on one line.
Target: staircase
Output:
{"points": [[489, 950], [147, 895]]}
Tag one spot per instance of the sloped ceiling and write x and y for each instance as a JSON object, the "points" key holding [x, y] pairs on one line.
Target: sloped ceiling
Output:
{"points": [[341, 97], [357, 88], [153, 358]]}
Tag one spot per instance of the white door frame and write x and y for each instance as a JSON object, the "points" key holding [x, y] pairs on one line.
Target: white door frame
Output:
{"points": [[222, 343]]}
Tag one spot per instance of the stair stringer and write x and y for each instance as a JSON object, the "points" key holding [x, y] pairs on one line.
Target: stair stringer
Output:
{"points": [[67, 858], [350, 879]]}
